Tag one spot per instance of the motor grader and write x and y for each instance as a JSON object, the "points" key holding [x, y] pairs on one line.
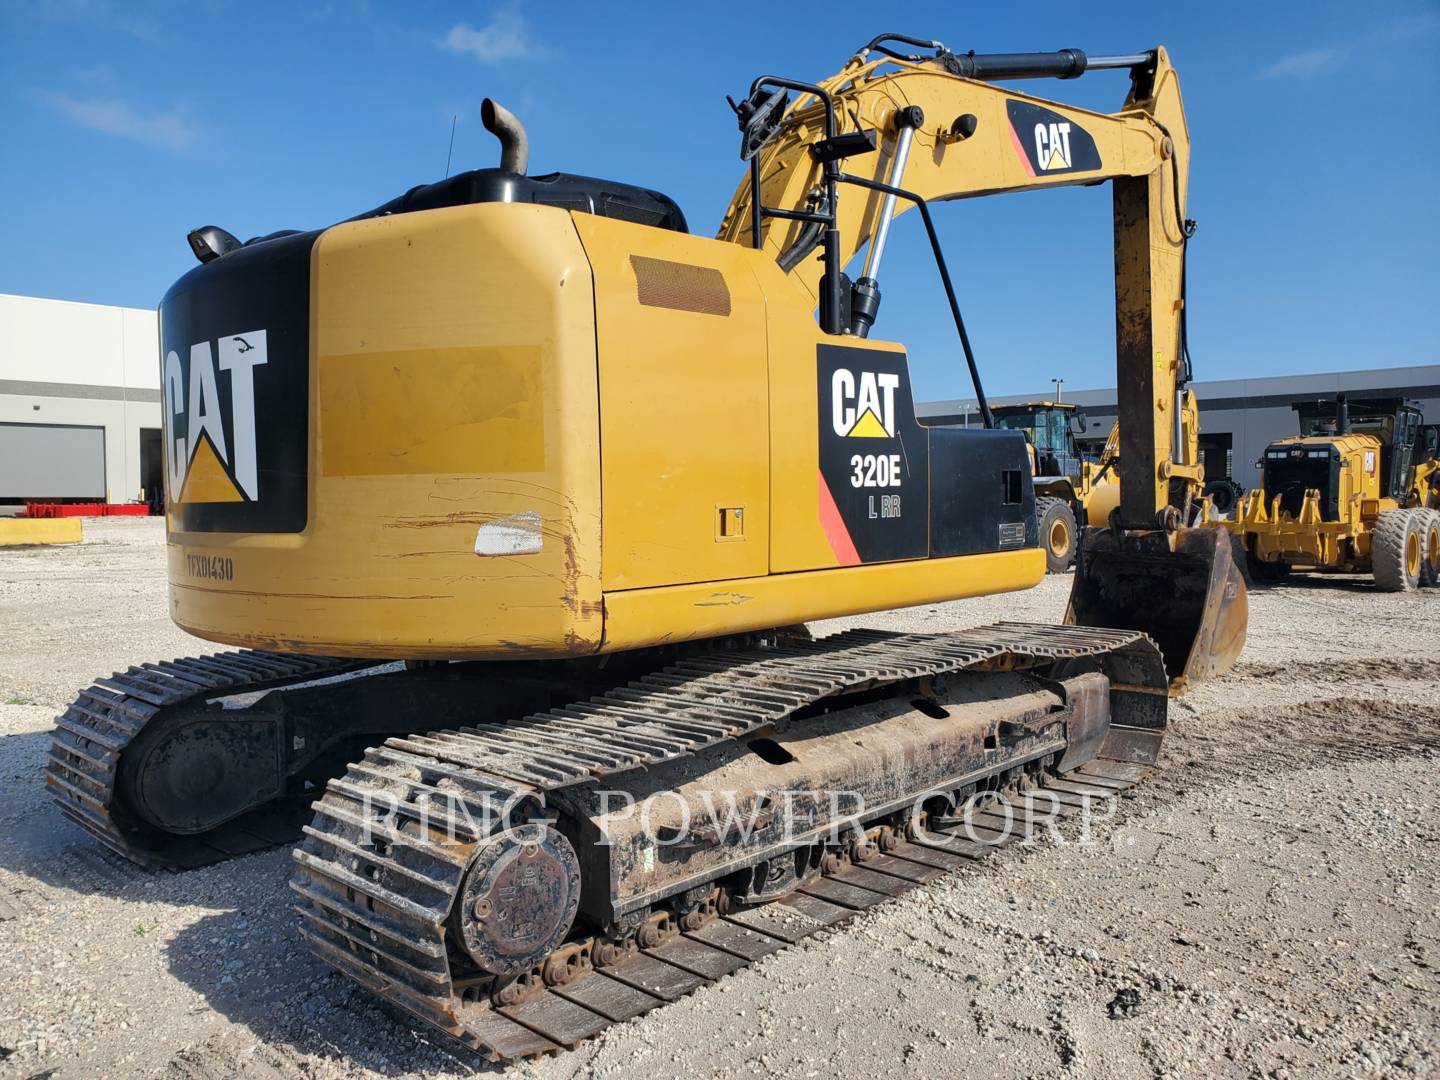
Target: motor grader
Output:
{"points": [[1357, 491], [514, 493]]}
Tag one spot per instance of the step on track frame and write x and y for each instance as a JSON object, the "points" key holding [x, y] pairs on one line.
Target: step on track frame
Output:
{"points": [[375, 899]]}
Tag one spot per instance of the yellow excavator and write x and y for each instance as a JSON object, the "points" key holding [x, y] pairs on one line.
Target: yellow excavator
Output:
{"points": [[515, 495]]}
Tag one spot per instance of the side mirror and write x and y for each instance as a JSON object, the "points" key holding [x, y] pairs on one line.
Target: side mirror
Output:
{"points": [[1078, 423], [759, 116], [209, 242]]}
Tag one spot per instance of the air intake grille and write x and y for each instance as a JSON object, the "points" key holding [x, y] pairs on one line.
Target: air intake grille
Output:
{"points": [[1290, 479], [662, 283]]}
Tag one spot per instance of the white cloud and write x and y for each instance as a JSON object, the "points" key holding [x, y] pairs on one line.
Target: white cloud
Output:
{"points": [[1415, 25], [504, 37], [115, 116], [1302, 64]]}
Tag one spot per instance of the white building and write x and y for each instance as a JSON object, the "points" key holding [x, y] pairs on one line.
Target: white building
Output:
{"points": [[79, 401]]}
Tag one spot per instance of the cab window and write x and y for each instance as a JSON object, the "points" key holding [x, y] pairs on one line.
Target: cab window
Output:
{"points": [[1019, 422], [1381, 427], [1057, 424]]}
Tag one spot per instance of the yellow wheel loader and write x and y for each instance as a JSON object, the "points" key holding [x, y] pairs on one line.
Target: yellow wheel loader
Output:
{"points": [[512, 494], [1061, 475], [1357, 491], [1072, 493]]}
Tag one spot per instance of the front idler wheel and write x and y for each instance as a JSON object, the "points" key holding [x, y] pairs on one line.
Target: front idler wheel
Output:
{"points": [[519, 901]]}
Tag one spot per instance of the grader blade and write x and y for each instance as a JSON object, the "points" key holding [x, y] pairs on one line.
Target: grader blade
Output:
{"points": [[1190, 599]]}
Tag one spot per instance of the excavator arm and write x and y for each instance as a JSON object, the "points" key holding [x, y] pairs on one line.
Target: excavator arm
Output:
{"points": [[1016, 142], [829, 172]]}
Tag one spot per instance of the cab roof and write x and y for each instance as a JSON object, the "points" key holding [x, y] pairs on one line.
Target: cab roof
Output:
{"points": [[1024, 406]]}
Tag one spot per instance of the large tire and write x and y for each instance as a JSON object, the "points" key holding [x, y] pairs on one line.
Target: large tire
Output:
{"points": [[1397, 552], [1429, 547], [1058, 533], [1224, 494]]}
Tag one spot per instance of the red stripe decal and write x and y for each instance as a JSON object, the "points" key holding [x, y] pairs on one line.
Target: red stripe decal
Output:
{"points": [[1020, 149], [835, 531]]}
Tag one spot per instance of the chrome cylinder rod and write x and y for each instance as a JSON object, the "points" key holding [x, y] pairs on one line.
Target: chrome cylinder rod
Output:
{"points": [[903, 138], [1129, 60]]}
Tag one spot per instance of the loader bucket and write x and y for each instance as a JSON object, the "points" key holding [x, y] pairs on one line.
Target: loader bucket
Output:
{"points": [[1191, 600]]}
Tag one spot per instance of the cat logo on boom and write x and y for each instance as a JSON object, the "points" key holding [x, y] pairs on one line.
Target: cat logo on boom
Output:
{"points": [[863, 404], [1047, 142], [205, 465], [1052, 145]]}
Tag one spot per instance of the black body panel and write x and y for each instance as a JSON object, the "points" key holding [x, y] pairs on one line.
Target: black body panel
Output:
{"points": [[241, 325], [969, 489], [893, 489], [606, 198]]}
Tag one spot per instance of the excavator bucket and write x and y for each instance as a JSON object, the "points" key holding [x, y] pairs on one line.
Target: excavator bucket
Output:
{"points": [[1191, 600]]}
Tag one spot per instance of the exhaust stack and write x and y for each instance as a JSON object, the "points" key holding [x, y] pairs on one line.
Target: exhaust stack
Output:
{"points": [[1342, 415], [514, 143]]}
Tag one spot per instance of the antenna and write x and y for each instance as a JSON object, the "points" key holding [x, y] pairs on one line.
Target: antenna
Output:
{"points": [[451, 151]]}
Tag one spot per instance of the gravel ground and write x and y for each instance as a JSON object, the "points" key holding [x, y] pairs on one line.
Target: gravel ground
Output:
{"points": [[1265, 905]]}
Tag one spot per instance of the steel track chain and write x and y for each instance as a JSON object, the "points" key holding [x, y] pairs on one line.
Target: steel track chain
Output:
{"points": [[386, 855], [93, 733]]}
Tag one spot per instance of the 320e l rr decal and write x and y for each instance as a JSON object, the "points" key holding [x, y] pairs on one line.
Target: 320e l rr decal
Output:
{"points": [[874, 457]]}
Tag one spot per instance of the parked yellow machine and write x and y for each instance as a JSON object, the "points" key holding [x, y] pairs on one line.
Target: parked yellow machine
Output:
{"points": [[531, 425], [1062, 475], [1185, 476], [1357, 491], [1073, 493]]}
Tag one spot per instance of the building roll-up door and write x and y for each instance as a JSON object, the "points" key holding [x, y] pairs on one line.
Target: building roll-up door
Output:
{"points": [[51, 461]]}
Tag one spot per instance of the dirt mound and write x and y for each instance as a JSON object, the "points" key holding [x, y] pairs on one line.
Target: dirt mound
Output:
{"points": [[1343, 672], [1260, 742]]}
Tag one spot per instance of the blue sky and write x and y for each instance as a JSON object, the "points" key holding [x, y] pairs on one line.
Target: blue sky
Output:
{"points": [[1316, 131]]}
